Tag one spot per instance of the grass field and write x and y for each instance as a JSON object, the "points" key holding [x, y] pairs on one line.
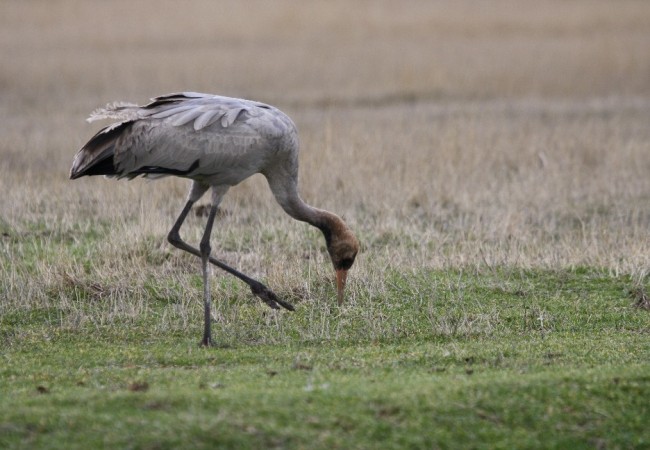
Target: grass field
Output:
{"points": [[492, 157]]}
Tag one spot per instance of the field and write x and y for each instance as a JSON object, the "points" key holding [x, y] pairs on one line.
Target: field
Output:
{"points": [[492, 157]]}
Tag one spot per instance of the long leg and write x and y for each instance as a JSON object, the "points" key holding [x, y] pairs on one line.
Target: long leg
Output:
{"points": [[264, 293], [205, 256], [258, 289]]}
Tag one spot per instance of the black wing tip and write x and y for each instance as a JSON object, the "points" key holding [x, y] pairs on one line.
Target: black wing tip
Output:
{"points": [[172, 98], [96, 156], [104, 166]]}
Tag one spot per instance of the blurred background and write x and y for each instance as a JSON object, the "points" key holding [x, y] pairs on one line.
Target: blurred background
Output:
{"points": [[447, 132], [324, 52]]}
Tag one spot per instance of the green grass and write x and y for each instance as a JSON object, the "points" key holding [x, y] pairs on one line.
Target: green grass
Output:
{"points": [[449, 359], [492, 160]]}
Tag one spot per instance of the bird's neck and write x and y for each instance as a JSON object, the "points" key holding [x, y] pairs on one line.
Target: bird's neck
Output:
{"points": [[287, 196]]}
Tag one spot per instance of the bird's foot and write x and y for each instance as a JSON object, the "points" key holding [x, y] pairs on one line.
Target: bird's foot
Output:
{"points": [[269, 297], [206, 342]]}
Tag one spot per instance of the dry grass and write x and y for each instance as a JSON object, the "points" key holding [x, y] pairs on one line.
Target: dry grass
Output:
{"points": [[493, 157], [449, 134]]}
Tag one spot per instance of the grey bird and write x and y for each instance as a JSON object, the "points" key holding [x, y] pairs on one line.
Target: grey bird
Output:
{"points": [[216, 142]]}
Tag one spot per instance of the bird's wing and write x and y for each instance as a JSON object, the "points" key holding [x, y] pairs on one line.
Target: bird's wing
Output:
{"points": [[202, 110], [149, 148], [192, 133]]}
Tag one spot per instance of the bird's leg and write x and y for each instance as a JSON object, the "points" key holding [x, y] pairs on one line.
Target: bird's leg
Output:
{"points": [[174, 237], [205, 256], [258, 289]]}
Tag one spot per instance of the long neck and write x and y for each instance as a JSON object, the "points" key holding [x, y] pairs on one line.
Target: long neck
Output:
{"points": [[285, 190]]}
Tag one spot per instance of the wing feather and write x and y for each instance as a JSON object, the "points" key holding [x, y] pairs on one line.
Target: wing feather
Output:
{"points": [[187, 116], [230, 116], [203, 111], [206, 118], [167, 112], [163, 137]]}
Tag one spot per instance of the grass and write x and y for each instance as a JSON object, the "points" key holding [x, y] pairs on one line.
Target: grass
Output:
{"points": [[492, 160], [441, 359]]}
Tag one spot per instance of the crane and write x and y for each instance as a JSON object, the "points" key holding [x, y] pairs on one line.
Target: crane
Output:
{"points": [[216, 142]]}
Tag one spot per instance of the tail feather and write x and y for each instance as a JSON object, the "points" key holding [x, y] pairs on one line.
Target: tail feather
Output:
{"points": [[121, 111], [96, 157]]}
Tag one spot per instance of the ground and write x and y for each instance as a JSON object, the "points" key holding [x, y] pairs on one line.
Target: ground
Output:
{"points": [[492, 160]]}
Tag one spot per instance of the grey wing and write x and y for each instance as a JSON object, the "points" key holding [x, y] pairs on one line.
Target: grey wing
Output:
{"points": [[202, 110], [190, 133]]}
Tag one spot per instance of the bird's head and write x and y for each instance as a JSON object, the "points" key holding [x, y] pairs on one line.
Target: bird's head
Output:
{"points": [[342, 247]]}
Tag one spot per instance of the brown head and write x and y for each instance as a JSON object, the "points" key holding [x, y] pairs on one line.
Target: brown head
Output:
{"points": [[342, 247]]}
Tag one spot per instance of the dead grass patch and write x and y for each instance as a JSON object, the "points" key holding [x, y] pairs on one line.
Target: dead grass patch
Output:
{"points": [[448, 135]]}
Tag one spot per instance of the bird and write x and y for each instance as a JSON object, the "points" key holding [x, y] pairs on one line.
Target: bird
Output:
{"points": [[216, 142]]}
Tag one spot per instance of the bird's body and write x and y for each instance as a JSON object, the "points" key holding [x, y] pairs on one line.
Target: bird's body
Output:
{"points": [[211, 139], [217, 142]]}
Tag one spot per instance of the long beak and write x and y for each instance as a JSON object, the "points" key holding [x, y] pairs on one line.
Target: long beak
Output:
{"points": [[341, 276]]}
